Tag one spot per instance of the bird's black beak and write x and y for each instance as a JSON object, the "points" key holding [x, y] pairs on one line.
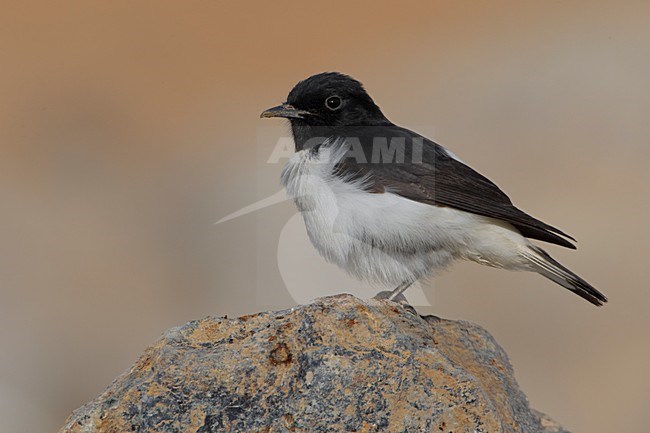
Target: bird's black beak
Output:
{"points": [[285, 110]]}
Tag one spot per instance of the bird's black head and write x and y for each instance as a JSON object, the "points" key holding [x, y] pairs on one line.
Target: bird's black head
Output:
{"points": [[326, 104]]}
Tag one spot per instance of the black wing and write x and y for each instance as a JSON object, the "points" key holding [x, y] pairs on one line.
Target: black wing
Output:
{"points": [[425, 173]]}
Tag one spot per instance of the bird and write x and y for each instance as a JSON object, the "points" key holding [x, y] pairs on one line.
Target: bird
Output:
{"points": [[391, 206]]}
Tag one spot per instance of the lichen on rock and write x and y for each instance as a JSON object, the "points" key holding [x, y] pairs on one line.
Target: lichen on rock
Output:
{"points": [[339, 364]]}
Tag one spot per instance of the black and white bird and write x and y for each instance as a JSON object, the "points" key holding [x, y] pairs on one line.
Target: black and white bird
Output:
{"points": [[389, 205]]}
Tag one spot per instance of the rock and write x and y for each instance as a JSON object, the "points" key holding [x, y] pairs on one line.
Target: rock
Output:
{"points": [[340, 364]]}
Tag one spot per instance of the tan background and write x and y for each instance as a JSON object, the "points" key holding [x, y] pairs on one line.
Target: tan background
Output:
{"points": [[128, 128]]}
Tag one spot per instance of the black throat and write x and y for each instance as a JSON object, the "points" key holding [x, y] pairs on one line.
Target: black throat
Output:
{"points": [[309, 136]]}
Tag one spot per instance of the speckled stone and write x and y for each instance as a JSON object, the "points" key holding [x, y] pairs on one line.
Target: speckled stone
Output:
{"points": [[340, 364]]}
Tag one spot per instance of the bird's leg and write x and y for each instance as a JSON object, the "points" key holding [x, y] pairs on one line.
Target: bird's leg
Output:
{"points": [[399, 290]]}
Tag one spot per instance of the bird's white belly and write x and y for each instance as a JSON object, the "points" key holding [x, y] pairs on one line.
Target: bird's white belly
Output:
{"points": [[380, 237]]}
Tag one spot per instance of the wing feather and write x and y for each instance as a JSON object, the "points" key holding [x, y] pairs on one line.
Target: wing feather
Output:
{"points": [[428, 174]]}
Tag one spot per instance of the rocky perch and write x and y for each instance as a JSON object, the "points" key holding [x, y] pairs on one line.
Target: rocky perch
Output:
{"points": [[339, 364]]}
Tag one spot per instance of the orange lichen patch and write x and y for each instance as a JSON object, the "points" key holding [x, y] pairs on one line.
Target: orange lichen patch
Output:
{"points": [[196, 419], [350, 410], [280, 354], [145, 361], [361, 308], [210, 330], [289, 422]]}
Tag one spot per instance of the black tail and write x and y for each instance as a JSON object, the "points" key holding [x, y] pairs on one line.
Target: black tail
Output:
{"points": [[555, 271]]}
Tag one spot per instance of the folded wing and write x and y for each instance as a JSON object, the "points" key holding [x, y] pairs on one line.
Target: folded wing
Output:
{"points": [[426, 173]]}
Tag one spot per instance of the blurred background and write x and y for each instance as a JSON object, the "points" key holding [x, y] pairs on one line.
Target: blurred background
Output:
{"points": [[128, 128]]}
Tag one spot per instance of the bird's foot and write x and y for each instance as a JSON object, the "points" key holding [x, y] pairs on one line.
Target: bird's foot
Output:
{"points": [[400, 299], [386, 295]]}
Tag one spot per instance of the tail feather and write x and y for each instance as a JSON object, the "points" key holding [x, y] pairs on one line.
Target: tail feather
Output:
{"points": [[547, 266]]}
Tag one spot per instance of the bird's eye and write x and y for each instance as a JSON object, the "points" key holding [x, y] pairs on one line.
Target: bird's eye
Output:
{"points": [[333, 103]]}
